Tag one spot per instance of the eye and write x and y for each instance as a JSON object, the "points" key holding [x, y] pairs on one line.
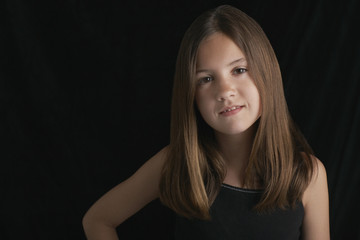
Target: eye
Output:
{"points": [[240, 70], [205, 80]]}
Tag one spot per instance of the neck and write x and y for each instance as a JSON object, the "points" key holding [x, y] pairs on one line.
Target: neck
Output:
{"points": [[236, 151]]}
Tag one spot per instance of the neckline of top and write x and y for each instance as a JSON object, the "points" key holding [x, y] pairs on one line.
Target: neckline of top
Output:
{"points": [[242, 189]]}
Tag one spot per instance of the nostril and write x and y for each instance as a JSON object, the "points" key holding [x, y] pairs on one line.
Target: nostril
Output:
{"points": [[226, 95]]}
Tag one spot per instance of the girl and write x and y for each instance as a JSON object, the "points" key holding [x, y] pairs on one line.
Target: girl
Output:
{"points": [[236, 166]]}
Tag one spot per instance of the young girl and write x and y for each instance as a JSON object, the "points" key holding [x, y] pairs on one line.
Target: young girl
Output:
{"points": [[236, 166]]}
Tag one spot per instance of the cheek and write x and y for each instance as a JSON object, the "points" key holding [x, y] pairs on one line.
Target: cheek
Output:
{"points": [[254, 99], [260, 107], [258, 102], [197, 100], [200, 99], [201, 107], [202, 104]]}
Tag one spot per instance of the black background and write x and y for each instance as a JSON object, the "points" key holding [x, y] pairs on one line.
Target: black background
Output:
{"points": [[85, 101]]}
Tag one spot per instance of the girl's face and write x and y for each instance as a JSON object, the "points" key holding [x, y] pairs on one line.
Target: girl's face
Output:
{"points": [[226, 95]]}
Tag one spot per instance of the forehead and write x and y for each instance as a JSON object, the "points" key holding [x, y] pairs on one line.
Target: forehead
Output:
{"points": [[217, 50]]}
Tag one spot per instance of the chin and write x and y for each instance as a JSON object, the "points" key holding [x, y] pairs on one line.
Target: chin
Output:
{"points": [[233, 131]]}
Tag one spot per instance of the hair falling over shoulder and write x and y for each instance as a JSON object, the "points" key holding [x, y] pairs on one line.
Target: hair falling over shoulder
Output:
{"points": [[280, 157]]}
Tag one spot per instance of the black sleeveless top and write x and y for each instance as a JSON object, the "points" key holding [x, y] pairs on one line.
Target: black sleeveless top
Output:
{"points": [[233, 217]]}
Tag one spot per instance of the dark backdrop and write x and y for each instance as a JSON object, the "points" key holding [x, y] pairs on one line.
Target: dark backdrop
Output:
{"points": [[85, 101]]}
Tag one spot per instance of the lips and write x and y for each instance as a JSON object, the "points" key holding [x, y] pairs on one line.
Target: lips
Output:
{"points": [[230, 109]]}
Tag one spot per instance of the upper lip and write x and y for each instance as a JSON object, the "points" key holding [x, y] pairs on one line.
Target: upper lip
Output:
{"points": [[229, 107]]}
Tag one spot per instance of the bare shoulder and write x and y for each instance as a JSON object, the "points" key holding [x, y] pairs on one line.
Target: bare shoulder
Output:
{"points": [[149, 174], [155, 163], [316, 205], [151, 168], [319, 167], [317, 182]]}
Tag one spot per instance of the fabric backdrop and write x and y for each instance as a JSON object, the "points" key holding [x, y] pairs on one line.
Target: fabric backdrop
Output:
{"points": [[85, 101]]}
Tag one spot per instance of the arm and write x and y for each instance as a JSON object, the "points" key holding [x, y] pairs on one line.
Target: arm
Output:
{"points": [[316, 205], [124, 200]]}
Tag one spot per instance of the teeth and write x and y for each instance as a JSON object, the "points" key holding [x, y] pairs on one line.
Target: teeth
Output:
{"points": [[231, 109]]}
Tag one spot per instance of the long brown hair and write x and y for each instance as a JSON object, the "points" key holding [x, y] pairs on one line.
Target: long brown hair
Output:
{"points": [[280, 156]]}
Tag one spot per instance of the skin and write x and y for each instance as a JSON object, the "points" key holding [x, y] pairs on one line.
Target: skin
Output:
{"points": [[222, 82], [124, 200]]}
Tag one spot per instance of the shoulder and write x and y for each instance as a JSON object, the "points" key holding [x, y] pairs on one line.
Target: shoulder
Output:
{"points": [[316, 204], [147, 177], [154, 165], [159, 158], [317, 182]]}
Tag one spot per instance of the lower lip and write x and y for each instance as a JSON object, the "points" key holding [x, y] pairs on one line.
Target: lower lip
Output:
{"points": [[230, 113]]}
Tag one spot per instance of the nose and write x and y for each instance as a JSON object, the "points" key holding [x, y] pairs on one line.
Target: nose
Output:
{"points": [[225, 90]]}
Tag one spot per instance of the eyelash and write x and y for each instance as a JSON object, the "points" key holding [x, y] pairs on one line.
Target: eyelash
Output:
{"points": [[204, 80], [244, 70], [236, 71]]}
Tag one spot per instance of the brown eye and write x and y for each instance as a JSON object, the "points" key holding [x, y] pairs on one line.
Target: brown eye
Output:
{"points": [[205, 80], [240, 70]]}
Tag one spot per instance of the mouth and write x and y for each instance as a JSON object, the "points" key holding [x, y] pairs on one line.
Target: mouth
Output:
{"points": [[230, 109]]}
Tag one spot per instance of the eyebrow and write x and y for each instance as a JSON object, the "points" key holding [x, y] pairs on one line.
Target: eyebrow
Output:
{"points": [[230, 64]]}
